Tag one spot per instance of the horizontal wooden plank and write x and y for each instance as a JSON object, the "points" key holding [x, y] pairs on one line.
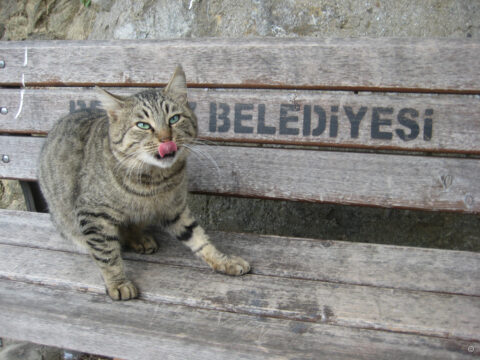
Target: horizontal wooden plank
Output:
{"points": [[454, 272], [414, 122], [456, 316], [414, 182], [376, 63], [143, 330]]}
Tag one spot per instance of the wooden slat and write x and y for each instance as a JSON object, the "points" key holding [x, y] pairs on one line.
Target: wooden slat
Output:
{"points": [[346, 178], [382, 63], [91, 322], [457, 316], [455, 272], [257, 116]]}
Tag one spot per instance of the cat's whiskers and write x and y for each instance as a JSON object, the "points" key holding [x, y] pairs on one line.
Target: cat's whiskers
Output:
{"points": [[124, 163], [202, 142], [133, 165], [137, 170], [202, 154]]}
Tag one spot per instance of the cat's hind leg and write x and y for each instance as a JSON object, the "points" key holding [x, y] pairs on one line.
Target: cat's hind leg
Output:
{"points": [[138, 240], [185, 229]]}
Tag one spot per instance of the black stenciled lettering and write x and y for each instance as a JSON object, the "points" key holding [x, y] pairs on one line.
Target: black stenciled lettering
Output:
{"points": [[408, 122], [262, 128], [377, 122], [322, 120], [77, 105], [307, 119], [239, 128], [334, 122], [428, 125], [81, 104], [355, 119], [212, 126], [285, 119], [224, 117], [95, 104]]}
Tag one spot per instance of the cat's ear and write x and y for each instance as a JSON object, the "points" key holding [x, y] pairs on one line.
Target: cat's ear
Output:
{"points": [[177, 86], [112, 104]]}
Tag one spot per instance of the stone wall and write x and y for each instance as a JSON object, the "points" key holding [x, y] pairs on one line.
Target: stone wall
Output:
{"points": [[160, 19]]}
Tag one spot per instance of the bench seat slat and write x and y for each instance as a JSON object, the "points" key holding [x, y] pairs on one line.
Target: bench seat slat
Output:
{"points": [[338, 177], [371, 63], [144, 330], [366, 307], [455, 272], [455, 126]]}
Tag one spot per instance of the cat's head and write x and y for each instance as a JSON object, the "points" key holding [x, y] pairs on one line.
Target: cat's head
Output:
{"points": [[153, 127]]}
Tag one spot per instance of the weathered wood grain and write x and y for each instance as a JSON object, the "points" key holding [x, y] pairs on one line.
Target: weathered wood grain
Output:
{"points": [[334, 177], [398, 267], [345, 178], [457, 316], [261, 116], [145, 330], [382, 63]]}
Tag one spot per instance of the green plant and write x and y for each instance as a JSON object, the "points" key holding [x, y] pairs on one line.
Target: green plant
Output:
{"points": [[86, 3]]}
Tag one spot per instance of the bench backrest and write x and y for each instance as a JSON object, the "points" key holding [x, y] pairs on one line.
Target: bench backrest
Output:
{"points": [[381, 122]]}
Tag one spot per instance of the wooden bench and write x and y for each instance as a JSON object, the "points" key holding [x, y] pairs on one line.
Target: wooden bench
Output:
{"points": [[375, 122]]}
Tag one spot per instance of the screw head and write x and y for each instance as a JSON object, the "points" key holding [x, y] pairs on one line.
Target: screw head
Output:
{"points": [[2, 64], [5, 158], [3, 110]]}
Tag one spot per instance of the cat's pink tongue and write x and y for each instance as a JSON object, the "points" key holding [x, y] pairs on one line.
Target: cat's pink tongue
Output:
{"points": [[167, 148]]}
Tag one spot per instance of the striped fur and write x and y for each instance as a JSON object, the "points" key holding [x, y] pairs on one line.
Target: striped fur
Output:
{"points": [[104, 181]]}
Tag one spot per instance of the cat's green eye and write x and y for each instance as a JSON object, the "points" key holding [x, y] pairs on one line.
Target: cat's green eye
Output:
{"points": [[143, 126], [174, 119]]}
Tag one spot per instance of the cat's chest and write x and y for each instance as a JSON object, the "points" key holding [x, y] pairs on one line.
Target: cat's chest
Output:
{"points": [[140, 200], [155, 208]]}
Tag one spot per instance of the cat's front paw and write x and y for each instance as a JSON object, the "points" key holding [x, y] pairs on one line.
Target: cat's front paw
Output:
{"points": [[123, 291], [232, 265], [145, 245]]}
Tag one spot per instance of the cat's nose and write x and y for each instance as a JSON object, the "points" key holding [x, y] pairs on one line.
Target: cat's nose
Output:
{"points": [[164, 136]]}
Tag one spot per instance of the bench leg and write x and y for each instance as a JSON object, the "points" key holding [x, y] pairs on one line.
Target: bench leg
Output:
{"points": [[33, 197], [187, 230]]}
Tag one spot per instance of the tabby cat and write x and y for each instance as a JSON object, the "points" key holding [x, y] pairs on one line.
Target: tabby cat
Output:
{"points": [[107, 175]]}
